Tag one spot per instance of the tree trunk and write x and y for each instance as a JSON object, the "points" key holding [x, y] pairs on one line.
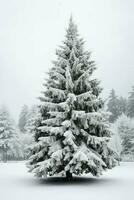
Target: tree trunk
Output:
{"points": [[69, 175]]}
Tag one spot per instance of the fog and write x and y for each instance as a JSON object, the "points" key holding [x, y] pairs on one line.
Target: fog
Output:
{"points": [[30, 31]]}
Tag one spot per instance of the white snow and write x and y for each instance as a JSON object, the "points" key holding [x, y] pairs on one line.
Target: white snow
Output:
{"points": [[17, 184]]}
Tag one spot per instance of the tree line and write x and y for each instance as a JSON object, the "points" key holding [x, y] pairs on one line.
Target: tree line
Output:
{"points": [[122, 122], [15, 139], [120, 105]]}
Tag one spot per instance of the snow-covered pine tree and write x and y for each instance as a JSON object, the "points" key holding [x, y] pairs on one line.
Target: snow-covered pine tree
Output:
{"points": [[9, 142], [113, 106], [23, 118], [73, 132], [131, 104]]}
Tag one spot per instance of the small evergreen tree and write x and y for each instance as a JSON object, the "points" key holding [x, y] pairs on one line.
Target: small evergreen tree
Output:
{"points": [[128, 144], [26, 140], [23, 118], [73, 132], [113, 106], [30, 130], [115, 141], [9, 143], [130, 110], [122, 103], [125, 129]]}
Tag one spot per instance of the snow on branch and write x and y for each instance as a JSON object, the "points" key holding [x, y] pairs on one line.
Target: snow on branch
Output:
{"points": [[57, 75], [55, 92], [51, 130], [52, 121], [69, 139]]}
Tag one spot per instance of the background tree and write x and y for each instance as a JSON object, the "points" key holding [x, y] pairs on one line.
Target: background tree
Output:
{"points": [[23, 118], [32, 119], [74, 133], [30, 130], [113, 106], [116, 142], [9, 142], [122, 103], [130, 110], [125, 130]]}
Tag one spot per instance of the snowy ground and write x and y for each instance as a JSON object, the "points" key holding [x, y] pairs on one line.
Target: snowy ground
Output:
{"points": [[17, 184]]}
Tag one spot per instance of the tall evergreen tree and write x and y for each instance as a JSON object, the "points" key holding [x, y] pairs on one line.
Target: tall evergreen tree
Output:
{"points": [[130, 110], [73, 131], [23, 117], [113, 106]]}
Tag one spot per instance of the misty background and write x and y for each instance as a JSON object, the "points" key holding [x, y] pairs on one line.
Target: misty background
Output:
{"points": [[30, 31]]}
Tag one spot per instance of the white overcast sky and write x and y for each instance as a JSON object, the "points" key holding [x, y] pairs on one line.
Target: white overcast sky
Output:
{"points": [[31, 30]]}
